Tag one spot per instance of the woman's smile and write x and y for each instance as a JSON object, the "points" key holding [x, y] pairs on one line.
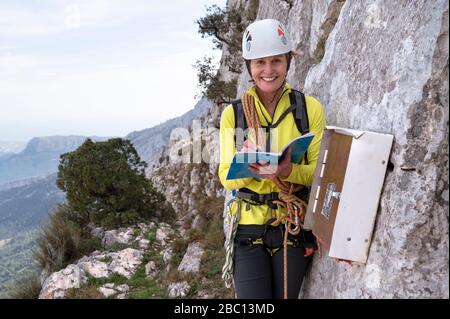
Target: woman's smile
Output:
{"points": [[269, 73]]}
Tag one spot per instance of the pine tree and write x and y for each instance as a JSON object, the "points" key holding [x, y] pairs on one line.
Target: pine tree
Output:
{"points": [[105, 184]]}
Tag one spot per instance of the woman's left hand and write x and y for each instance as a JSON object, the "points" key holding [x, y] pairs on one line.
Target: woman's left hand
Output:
{"points": [[267, 171]]}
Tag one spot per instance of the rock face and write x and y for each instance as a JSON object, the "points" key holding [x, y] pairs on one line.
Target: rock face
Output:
{"points": [[56, 285], [106, 265], [97, 265], [374, 65], [178, 289], [114, 236], [149, 142], [163, 233], [100, 264], [192, 258], [111, 289], [383, 72]]}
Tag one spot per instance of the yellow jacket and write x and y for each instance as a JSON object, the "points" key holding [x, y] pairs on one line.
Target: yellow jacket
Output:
{"points": [[283, 134]]}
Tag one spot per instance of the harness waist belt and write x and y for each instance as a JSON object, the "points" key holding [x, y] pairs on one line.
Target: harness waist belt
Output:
{"points": [[257, 199], [260, 199]]}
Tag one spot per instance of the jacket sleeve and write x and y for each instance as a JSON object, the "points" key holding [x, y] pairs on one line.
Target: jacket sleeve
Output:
{"points": [[228, 149], [304, 174]]}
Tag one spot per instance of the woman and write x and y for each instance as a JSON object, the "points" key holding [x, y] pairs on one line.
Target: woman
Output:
{"points": [[269, 253]]}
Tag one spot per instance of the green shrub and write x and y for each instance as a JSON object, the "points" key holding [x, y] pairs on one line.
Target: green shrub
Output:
{"points": [[85, 292], [61, 241], [28, 288], [114, 278], [226, 26], [58, 241], [320, 51], [105, 184], [216, 90], [151, 235]]}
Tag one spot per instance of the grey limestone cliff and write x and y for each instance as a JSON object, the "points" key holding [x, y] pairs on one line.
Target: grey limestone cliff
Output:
{"points": [[380, 66]]}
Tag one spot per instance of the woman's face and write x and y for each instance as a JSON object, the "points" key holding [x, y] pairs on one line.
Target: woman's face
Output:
{"points": [[269, 73]]}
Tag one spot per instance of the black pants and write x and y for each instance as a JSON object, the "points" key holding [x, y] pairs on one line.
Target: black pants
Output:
{"points": [[257, 274]]}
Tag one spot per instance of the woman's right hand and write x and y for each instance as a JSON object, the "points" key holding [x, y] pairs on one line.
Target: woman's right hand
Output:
{"points": [[248, 146]]}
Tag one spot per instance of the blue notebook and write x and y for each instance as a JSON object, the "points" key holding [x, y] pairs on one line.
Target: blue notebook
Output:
{"points": [[242, 160]]}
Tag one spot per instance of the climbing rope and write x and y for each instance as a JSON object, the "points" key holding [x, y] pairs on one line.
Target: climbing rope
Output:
{"points": [[232, 219]]}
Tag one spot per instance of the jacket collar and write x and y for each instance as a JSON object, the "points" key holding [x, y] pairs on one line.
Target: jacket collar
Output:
{"points": [[261, 110]]}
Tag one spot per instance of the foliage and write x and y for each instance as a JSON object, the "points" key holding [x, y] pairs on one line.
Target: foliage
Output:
{"points": [[61, 241], [105, 184], [114, 278], [320, 51], [226, 27], [86, 292], [16, 261], [27, 288], [216, 90], [142, 287], [179, 247], [214, 24]]}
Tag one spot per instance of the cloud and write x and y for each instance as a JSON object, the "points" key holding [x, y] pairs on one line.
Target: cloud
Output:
{"points": [[60, 77], [7, 48], [55, 16], [10, 61], [16, 22], [141, 96]]}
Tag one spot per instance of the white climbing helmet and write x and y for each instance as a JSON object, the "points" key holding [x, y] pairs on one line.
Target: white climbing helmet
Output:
{"points": [[265, 38]]}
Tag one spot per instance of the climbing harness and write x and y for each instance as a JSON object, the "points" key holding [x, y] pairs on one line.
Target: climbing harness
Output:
{"points": [[304, 239]]}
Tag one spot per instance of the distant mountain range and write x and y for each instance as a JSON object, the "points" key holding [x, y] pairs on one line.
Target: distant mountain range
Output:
{"points": [[11, 147], [40, 157], [23, 208], [20, 182], [149, 142]]}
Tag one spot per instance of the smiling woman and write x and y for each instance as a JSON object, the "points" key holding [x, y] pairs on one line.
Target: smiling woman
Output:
{"points": [[269, 74], [97, 67], [269, 210]]}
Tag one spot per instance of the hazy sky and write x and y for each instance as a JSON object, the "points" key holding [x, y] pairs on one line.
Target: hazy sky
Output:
{"points": [[97, 67]]}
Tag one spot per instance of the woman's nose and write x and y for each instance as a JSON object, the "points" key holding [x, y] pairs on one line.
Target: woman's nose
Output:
{"points": [[268, 67]]}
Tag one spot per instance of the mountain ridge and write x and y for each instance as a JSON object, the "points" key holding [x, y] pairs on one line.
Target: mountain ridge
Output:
{"points": [[39, 157]]}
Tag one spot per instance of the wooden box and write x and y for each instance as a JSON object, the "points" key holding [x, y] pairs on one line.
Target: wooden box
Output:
{"points": [[346, 191]]}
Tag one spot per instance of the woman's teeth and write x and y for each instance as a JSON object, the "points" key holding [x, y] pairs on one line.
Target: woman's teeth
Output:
{"points": [[268, 79]]}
